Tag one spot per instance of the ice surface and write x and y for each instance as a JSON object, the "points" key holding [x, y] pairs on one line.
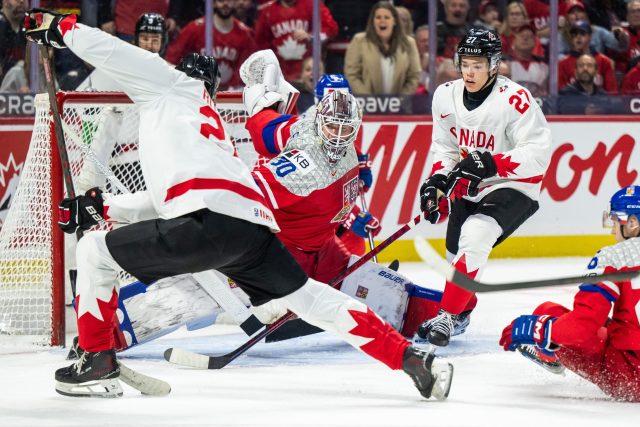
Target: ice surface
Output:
{"points": [[319, 381]]}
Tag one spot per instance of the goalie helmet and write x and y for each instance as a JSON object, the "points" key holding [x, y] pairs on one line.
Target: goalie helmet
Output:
{"points": [[330, 82], [203, 68], [623, 204], [152, 23], [338, 119], [480, 42]]}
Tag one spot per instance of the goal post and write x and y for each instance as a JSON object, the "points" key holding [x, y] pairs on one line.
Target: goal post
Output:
{"points": [[101, 129]]}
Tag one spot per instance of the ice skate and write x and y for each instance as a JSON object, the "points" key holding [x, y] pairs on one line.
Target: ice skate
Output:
{"points": [[74, 350], [432, 380], [93, 375], [549, 362], [438, 330]]}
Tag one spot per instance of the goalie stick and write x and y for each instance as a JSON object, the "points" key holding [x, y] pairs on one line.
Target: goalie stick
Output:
{"points": [[433, 260], [143, 383], [195, 360]]}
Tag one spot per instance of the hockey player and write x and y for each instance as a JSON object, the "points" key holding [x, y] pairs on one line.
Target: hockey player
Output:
{"points": [[490, 147], [602, 350], [206, 213]]}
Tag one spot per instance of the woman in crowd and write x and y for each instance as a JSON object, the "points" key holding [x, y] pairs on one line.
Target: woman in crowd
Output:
{"points": [[515, 16], [383, 59]]}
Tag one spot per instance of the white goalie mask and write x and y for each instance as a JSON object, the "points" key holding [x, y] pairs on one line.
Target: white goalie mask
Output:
{"points": [[338, 119]]}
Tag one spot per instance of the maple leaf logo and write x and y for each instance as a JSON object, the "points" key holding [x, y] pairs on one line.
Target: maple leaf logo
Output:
{"points": [[225, 72], [505, 166], [291, 49], [436, 167], [461, 266]]}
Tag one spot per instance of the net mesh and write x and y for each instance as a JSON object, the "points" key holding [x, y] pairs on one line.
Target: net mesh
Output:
{"points": [[102, 145]]}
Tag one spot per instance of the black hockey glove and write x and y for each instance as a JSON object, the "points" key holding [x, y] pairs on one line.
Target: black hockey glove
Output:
{"points": [[464, 179], [433, 201], [42, 26], [81, 212]]}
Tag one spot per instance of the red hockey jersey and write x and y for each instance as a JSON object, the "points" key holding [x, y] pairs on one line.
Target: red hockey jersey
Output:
{"points": [[277, 23], [229, 49], [305, 193]]}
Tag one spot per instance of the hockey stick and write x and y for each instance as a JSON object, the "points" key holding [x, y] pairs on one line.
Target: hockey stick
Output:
{"points": [[364, 207], [143, 383], [140, 382], [200, 361], [433, 259]]}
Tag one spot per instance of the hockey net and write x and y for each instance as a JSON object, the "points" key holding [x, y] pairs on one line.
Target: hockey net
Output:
{"points": [[101, 133]]}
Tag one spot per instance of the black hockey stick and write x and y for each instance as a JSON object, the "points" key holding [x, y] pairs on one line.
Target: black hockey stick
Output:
{"points": [[433, 259], [200, 361], [143, 383]]}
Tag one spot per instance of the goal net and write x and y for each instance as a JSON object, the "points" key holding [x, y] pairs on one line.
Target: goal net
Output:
{"points": [[101, 135]]}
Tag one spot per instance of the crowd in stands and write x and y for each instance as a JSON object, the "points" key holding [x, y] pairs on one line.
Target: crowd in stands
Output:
{"points": [[381, 47]]}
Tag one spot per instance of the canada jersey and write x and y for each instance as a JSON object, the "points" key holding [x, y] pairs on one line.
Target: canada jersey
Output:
{"points": [[508, 124], [304, 192], [624, 328], [230, 49], [186, 155]]}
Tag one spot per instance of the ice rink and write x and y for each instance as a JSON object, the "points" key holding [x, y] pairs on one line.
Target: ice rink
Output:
{"points": [[319, 381]]}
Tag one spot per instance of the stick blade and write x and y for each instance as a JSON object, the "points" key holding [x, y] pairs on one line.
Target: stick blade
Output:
{"points": [[179, 356], [143, 383]]}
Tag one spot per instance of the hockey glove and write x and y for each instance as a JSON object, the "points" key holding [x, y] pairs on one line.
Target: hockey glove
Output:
{"points": [[433, 201], [466, 176], [44, 27], [81, 212], [362, 223], [529, 329], [364, 172]]}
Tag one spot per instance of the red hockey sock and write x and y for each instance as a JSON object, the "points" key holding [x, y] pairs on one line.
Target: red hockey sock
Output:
{"points": [[454, 298], [97, 334]]}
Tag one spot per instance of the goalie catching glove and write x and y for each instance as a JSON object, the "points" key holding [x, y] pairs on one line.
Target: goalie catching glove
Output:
{"points": [[81, 212], [44, 27], [464, 179]]}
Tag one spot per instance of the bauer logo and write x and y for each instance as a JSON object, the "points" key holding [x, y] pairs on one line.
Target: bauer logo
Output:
{"points": [[392, 277], [362, 292]]}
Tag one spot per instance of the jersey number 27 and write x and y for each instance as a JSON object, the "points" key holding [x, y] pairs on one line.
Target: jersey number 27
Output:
{"points": [[519, 102]]}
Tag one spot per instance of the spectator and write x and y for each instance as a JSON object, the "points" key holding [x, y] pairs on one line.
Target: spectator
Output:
{"points": [[351, 16], [601, 39], [580, 41], [446, 72], [584, 85], [488, 15], [607, 14], [515, 17], [504, 69], [232, 41], [305, 85], [127, 12], [527, 69], [16, 80], [453, 28], [421, 37], [538, 14], [96, 13], [12, 40], [245, 11], [285, 26], [627, 59], [406, 22], [631, 81], [181, 12], [382, 60]]}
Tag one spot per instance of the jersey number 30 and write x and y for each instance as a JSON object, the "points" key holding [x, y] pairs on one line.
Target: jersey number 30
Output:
{"points": [[519, 102]]}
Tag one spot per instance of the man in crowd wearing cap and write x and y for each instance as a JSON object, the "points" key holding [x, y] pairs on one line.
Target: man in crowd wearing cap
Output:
{"points": [[616, 40], [580, 39], [527, 69]]}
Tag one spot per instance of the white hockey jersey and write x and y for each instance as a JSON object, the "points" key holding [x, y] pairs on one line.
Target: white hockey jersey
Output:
{"points": [[186, 154], [509, 124]]}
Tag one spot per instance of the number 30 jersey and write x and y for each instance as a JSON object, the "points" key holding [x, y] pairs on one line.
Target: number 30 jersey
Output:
{"points": [[509, 124], [306, 194]]}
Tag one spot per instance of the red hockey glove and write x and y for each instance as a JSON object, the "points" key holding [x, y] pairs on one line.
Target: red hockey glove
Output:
{"points": [[364, 172], [464, 179], [528, 329], [42, 26], [81, 212], [362, 223], [433, 201]]}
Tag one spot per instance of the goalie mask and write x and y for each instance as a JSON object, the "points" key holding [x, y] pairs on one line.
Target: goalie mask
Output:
{"points": [[203, 68], [338, 119]]}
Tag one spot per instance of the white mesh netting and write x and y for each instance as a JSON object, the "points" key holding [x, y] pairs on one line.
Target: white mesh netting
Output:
{"points": [[101, 139]]}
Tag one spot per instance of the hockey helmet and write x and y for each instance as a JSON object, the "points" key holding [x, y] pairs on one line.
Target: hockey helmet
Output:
{"points": [[338, 119], [152, 22], [623, 204], [203, 68], [480, 42], [330, 82]]}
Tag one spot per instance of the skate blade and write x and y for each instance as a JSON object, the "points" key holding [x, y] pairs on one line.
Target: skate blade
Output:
{"points": [[554, 368], [422, 344], [100, 388], [443, 373]]}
